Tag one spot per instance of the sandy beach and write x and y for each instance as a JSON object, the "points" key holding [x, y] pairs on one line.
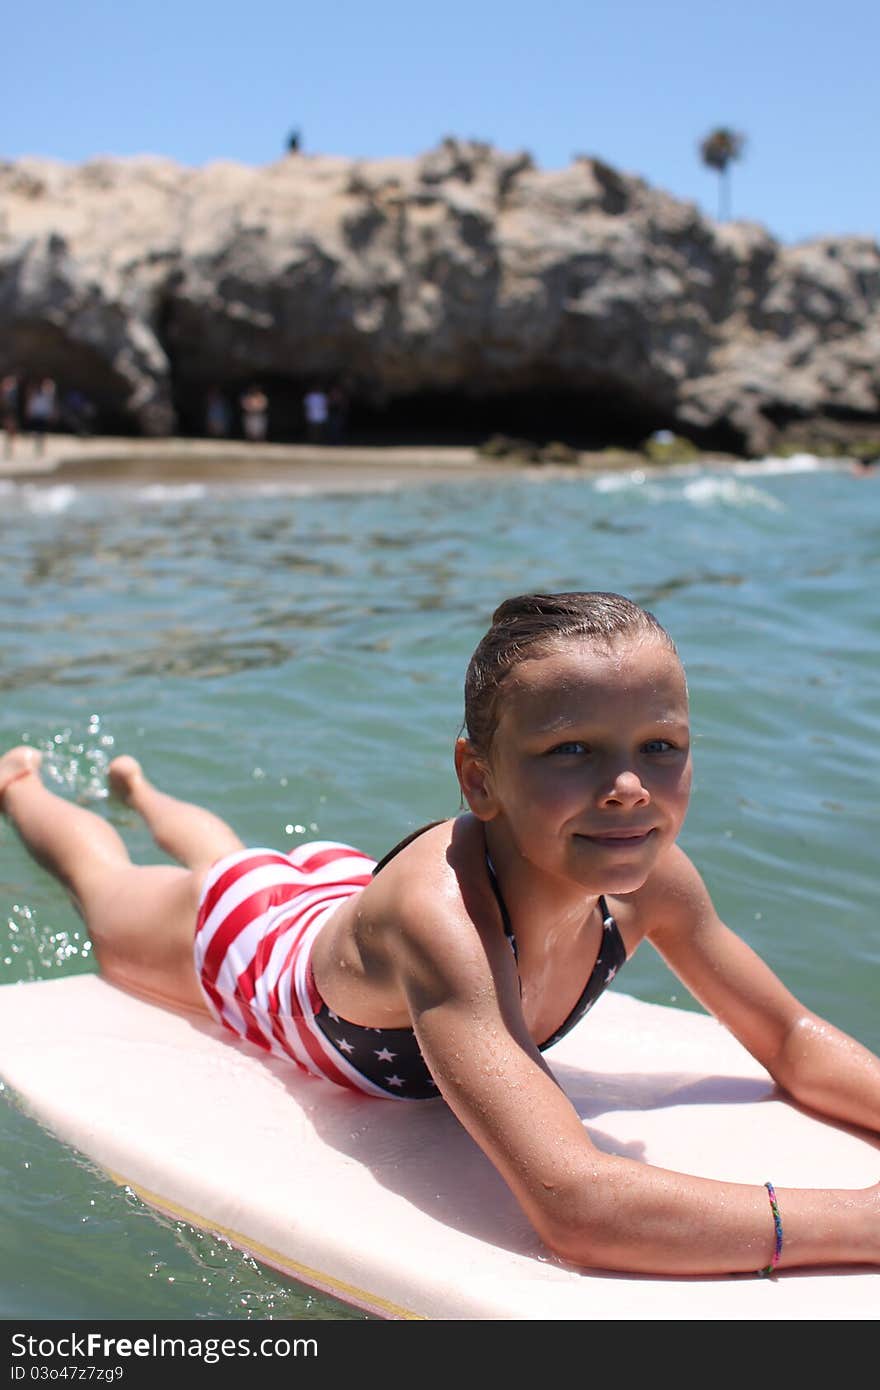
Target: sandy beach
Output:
{"points": [[106, 460]]}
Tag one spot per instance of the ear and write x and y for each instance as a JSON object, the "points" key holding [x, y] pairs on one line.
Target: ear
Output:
{"points": [[475, 780]]}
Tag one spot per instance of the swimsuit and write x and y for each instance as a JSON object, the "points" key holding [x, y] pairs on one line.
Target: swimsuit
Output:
{"points": [[259, 915]]}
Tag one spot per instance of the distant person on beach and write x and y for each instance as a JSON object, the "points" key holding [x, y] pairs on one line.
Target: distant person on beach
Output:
{"points": [[9, 405], [316, 413], [217, 414], [40, 410], [448, 968], [255, 414]]}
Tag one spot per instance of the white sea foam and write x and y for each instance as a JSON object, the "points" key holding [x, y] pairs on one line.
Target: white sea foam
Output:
{"points": [[768, 467], [171, 492], [730, 492], [49, 501], [618, 482], [796, 463], [163, 493], [724, 486], [317, 489], [29, 497]]}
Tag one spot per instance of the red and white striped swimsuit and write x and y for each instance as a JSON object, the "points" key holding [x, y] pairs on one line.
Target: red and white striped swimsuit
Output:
{"points": [[259, 914]]}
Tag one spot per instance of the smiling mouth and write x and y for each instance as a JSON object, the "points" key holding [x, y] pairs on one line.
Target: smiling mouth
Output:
{"points": [[623, 838]]}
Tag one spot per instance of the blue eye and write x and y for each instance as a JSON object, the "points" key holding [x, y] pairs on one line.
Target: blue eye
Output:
{"points": [[574, 746], [659, 745]]}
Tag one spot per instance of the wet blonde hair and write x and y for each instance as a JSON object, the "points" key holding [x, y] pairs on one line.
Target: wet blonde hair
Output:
{"points": [[531, 625]]}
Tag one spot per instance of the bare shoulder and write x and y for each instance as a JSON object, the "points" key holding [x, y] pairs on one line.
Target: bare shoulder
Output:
{"points": [[426, 930], [434, 910]]}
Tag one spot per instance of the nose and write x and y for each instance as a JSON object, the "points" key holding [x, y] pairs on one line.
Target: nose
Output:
{"points": [[625, 789]]}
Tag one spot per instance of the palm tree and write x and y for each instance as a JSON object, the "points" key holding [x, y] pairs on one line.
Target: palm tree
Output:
{"points": [[718, 150]]}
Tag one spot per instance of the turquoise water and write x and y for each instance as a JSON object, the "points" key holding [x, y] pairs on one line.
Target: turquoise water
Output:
{"points": [[294, 660]]}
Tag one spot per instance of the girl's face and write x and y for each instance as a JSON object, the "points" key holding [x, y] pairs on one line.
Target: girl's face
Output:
{"points": [[590, 771]]}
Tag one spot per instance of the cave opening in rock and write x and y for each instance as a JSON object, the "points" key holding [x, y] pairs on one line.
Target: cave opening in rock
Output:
{"points": [[836, 427], [579, 418], [582, 419], [90, 396]]}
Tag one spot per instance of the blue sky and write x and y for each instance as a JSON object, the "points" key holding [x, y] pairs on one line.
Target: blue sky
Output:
{"points": [[635, 83]]}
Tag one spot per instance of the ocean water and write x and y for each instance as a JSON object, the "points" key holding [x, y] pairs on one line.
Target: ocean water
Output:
{"points": [[294, 660]]}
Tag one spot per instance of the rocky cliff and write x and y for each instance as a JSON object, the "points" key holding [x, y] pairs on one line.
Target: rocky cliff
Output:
{"points": [[464, 278]]}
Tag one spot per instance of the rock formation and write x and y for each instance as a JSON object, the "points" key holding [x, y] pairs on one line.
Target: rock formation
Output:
{"points": [[467, 275]]}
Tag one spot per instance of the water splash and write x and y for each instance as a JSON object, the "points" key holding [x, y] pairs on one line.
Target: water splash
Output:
{"points": [[77, 761], [32, 950]]}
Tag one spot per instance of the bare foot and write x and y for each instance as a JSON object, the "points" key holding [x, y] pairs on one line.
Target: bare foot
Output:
{"points": [[124, 776], [18, 762]]}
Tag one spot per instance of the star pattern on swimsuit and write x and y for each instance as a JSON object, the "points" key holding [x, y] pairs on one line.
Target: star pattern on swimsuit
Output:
{"points": [[390, 1058]]}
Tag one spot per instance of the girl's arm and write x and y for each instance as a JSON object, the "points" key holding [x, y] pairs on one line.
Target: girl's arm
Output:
{"points": [[591, 1208], [817, 1064]]}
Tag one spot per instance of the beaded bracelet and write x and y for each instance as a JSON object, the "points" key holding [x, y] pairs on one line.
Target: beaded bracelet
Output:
{"points": [[777, 1225]]}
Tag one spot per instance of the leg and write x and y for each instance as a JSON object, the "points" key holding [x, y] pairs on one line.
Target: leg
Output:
{"points": [[191, 835], [141, 920], [74, 845]]}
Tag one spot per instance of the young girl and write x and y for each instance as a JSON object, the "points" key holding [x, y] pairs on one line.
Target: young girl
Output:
{"points": [[451, 966]]}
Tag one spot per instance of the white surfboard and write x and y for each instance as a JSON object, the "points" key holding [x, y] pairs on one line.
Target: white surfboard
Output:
{"points": [[391, 1207]]}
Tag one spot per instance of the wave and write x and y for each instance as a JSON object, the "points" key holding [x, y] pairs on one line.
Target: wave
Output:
{"points": [[47, 501], [717, 484]]}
